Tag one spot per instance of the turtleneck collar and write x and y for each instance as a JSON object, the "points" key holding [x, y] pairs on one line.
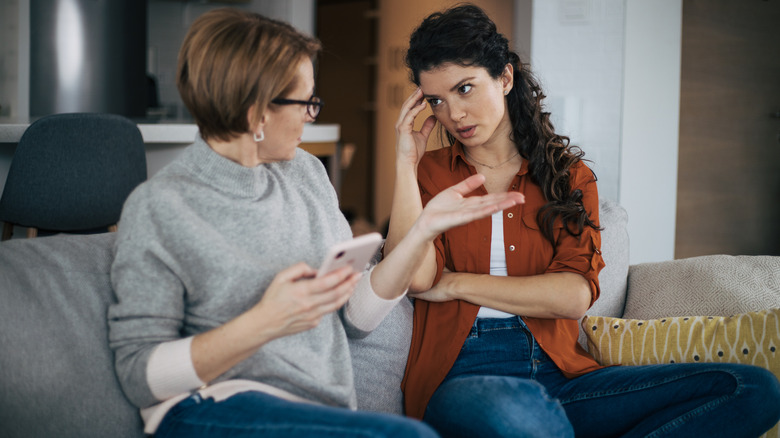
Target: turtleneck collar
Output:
{"points": [[227, 175]]}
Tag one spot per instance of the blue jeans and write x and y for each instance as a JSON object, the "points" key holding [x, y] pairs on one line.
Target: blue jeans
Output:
{"points": [[256, 414], [503, 385]]}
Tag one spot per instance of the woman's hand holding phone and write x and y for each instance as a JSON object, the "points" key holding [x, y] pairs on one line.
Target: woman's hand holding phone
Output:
{"points": [[356, 253], [296, 300], [300, 296]]}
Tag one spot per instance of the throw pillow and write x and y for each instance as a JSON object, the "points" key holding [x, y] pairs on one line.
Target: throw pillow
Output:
{"points": [[750, 338], [705, 285]]}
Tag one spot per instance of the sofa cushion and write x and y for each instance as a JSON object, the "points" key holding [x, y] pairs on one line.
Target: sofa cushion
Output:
{"points": [[614, 250], [379, 361], [56, 370], [751, 338], [706, 285]]}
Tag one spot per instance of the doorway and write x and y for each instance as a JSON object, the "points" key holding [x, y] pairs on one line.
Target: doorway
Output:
{"points": [[728, 199], [346, 82]]}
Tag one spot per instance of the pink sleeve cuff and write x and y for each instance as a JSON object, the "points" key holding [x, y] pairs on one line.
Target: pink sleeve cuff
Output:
{"points": [[365, 309], [170, 371]]}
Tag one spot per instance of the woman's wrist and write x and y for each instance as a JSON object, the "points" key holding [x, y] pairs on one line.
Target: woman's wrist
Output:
{"points": [[421, 234], [406, 167], [448, 283], [267, 324], [415, 250]]}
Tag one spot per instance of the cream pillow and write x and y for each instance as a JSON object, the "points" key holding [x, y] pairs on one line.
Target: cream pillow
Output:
{"points": [[751, 338]]}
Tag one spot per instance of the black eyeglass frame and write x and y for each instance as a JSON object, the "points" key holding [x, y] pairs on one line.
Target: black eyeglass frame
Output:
{"points": [[313, 105]]}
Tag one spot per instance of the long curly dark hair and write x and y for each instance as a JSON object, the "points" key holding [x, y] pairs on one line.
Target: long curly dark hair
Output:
{"points": [[465, 35]]}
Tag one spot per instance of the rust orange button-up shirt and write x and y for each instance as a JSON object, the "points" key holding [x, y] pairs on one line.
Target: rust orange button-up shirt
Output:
{"points": [[440, 329]]}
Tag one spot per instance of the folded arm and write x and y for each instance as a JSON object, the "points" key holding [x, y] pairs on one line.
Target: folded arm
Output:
{"points": [[564, 295]]}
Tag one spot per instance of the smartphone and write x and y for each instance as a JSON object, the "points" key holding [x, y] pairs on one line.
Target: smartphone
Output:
{"points": [[356, 252]]}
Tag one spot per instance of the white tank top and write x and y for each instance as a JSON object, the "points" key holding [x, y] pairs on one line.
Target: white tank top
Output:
{"points": [[497, 262]]}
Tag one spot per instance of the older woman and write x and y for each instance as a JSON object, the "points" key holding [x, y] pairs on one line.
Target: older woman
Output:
{"points": [[220, 326]]}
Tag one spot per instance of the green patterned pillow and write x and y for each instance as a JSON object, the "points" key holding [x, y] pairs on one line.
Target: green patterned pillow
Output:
{"points": [[750, 338]]}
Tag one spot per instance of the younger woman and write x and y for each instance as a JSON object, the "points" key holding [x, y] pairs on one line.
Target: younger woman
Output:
{"points": [[494, 348]]}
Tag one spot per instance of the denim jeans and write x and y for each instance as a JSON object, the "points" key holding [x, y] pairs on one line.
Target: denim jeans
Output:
{"points": [[503, 385], [256, 414]]}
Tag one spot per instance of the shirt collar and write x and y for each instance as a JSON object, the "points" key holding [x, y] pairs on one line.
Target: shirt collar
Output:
{"points": [[458, 154]]}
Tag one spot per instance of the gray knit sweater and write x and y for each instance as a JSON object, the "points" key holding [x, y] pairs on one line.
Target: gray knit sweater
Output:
{"points": [[198, 245]]}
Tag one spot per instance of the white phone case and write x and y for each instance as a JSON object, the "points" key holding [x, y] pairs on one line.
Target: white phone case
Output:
{"points": [[356, 252]]}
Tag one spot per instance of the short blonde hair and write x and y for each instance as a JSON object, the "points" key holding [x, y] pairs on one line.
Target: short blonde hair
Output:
{"points": [[233, 59]]}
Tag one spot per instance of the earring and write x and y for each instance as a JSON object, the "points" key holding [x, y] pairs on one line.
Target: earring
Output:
{"points": [[259, 138], [506, 92]]}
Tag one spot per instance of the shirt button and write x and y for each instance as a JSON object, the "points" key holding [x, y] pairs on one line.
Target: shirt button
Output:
{"points": [[511, 247], [510, 215]]}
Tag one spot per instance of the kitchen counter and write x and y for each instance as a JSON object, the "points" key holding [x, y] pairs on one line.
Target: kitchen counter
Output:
{"points": [[165, 140], [173, 132]]}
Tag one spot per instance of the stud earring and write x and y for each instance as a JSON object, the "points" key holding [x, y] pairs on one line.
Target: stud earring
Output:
{"points": [[259, 138]]}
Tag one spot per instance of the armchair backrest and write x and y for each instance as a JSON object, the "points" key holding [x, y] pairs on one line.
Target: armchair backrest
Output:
{"points": [[73, 172]]}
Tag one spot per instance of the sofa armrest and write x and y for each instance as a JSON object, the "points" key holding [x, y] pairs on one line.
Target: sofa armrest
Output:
{"points": [[614, 250], [714, 285]]}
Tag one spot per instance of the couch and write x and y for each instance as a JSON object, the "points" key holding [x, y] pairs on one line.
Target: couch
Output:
{"points": [[56, 372]]}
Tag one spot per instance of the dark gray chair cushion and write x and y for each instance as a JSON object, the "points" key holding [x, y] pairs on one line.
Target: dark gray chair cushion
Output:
{"points": [[56, 370], [73, 172]]}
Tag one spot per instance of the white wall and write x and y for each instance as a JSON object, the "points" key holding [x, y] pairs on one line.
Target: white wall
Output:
{"points": [[577, 54], [650, 128], [611, 71]]}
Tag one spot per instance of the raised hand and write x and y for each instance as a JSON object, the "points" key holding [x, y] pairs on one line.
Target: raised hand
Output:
{"points": [[410, 144], [451, 208]]}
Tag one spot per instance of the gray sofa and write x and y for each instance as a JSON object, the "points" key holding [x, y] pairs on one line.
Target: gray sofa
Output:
{"points": [[56, 373]]}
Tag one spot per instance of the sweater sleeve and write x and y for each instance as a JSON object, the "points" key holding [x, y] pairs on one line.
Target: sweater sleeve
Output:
{"points": [[365, 310], [149, 307], [170, 370]]}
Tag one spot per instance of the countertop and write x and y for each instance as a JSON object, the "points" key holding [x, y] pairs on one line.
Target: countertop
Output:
{"points": [[165, 140], [11, 131]]}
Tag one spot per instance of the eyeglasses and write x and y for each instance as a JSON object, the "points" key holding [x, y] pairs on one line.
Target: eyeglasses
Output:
{"points": [[313, 105]]}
